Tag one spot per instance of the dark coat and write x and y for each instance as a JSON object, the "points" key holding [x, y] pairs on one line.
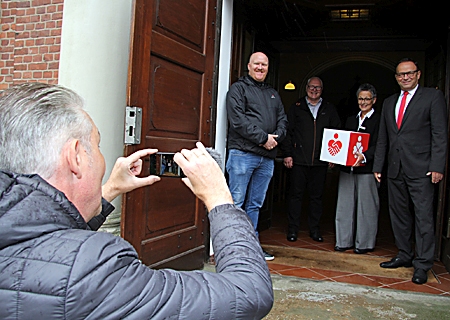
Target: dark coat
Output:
{"points": [[53, 268], [420, 145], [371, 126], [304, 138], [254, 111]]}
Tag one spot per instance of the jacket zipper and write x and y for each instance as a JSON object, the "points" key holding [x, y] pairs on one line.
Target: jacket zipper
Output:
{"points": [[314, 145]]}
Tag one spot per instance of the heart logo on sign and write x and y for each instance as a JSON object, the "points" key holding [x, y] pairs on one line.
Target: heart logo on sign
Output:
{"points": [[334, 146]]}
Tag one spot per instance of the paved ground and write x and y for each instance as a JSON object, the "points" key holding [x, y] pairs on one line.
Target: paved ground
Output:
{"points": [[297, 298]]}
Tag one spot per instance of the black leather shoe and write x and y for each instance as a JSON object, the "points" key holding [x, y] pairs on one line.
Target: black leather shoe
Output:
{"points": [[316, 236], [420, 276], [291, 237], [396, 263], [341, 249], [362, 251]]}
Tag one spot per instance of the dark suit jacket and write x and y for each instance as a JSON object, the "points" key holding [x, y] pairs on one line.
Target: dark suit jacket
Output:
{"points": [[371, 126], [421, 142]]}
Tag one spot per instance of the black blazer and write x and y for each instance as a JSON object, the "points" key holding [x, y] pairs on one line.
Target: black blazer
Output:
{"points": [[371, 126], [420, 144]]}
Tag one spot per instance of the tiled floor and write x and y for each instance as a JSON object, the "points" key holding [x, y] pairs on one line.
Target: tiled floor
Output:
{"points": [[276, 235]]}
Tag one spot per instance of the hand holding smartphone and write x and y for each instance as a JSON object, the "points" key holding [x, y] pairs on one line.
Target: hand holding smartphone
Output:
{"points": [[163, 165]]}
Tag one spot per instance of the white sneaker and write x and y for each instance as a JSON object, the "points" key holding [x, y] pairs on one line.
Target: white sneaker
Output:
{"points": [[268, 256]]}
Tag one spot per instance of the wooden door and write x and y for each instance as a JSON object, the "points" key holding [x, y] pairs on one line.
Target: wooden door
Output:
{"points": [[170, 78]]}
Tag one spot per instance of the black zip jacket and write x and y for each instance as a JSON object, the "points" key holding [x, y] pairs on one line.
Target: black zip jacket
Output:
{"points": [[254, 110], [304, 137]]}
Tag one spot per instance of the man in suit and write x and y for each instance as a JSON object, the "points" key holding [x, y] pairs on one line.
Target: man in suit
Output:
{"points": [[413, 134]]}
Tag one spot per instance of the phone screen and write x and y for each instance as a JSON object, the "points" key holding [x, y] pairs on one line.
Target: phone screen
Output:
{"points": [[163, 165]]}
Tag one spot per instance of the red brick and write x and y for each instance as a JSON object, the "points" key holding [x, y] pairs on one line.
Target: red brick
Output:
{"points": [[21, 67], [53, 65], [52, 9], [6, 12], [57, 16], [37, 74], [37, 3], [19, 44], [48, 57], [30, 11], [25, 19], [40, 41], [20, 13], [55, 48], [27, 75], [35, 18], [46, 17], [28, 43], [22, 51], [37, 58], [47, 74], [50, 24], [40, 10], [49, 41], [33, 50], [55, 32], [23, 35], [23, 4], [39, 26], [43, 49]]}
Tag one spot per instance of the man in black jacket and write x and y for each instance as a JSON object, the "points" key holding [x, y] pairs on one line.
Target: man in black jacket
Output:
{"points": [[257, 124], [301, 150]]}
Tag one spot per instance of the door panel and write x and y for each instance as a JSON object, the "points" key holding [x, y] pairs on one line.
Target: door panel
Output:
{"points": [[170, 78]]}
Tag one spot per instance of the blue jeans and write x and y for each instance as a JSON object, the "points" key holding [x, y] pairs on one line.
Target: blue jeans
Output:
{"points": [[249, 178]]}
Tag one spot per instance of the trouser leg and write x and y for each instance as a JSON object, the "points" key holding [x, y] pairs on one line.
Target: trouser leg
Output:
{"points": [[257, 189], [422, 194], [298, 180], [401, 217], [316, 184], [368, 205], [345, 209]]}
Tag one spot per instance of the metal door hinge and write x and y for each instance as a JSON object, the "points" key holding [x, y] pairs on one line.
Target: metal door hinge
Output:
{"points": [[133, 125]]}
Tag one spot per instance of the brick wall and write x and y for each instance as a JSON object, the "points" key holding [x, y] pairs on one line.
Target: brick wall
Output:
{"points": [[30, 41]]}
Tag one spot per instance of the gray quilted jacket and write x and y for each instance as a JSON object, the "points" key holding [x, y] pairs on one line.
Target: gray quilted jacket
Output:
{"points": [[51, 267]]}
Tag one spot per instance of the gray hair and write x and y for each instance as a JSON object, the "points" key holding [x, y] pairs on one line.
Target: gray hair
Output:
{"points": [[315, 77], [367, 87], [36, 121]]}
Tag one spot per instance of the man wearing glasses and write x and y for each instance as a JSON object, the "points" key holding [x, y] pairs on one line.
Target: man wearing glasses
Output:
{"points": [[413, 135], [301, 151]]}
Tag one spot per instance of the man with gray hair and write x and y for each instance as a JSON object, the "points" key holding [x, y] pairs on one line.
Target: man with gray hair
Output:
{"points": [[52, 266], [301, 151]]}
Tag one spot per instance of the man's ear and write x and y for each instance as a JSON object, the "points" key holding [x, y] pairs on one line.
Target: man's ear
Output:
{"points": [[73, 157]]}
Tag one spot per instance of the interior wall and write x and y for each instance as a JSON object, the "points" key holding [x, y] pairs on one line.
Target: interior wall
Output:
{"points": [[94, 62]]}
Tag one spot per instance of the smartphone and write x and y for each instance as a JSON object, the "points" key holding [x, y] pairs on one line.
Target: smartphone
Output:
{"points": [[163, 165]]}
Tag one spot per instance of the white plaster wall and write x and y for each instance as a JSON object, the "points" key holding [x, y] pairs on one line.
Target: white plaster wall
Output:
{"points": [[224, 77], [94, 63]]}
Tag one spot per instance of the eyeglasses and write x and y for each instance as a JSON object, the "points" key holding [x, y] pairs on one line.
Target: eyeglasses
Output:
{"points": [[365, 100], [318, 88], [409, 74]]}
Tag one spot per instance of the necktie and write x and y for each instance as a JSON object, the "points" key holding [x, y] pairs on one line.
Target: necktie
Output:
{"points": [[401, 110]]}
